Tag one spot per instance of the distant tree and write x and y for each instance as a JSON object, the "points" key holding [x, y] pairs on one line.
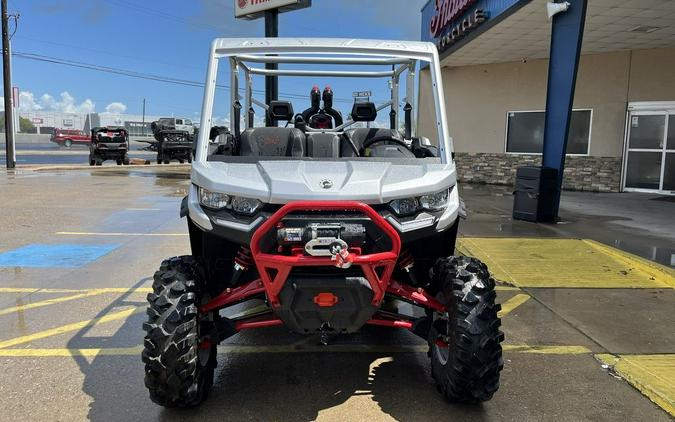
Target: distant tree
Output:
{"points": [[25, 125]]}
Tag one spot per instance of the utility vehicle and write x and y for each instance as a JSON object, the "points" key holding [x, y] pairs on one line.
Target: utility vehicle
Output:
{"points": [[174, 142], [328, 224], [109, 143]]}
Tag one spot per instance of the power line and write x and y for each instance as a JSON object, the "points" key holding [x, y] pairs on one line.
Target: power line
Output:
{"points": [[142, 75], [106, 52], [163, 15]]}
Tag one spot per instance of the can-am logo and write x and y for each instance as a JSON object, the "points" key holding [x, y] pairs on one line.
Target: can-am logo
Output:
{"points": [[242, 3]]}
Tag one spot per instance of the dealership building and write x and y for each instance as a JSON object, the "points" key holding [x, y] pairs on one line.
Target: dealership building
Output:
{"points": [[494, 59], [45, 122]]}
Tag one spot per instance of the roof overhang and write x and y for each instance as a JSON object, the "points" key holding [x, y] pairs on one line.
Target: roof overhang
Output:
{"points": [[516, 30]]}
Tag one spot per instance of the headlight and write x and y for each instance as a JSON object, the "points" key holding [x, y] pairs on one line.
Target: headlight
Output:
{"points": [[245, 206], [436, 201], [213, 200], [432, 202], [405, 206], [219, 201]]}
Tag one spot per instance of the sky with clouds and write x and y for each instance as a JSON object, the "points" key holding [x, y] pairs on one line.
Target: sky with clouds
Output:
{"points": [[170, 38]]}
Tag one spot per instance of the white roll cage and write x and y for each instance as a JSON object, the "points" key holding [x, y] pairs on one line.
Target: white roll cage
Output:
{"points": [[398, 55]]}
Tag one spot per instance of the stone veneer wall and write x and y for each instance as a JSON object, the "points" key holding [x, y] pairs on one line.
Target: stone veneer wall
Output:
{"points": [[584, 173]]}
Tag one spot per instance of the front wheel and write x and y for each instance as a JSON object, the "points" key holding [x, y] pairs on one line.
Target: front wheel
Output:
{"points": [[464, 342], [179, 359], [68, 143]]}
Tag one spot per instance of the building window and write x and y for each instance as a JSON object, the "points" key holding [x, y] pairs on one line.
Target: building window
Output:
{"points": [[525, 132]]}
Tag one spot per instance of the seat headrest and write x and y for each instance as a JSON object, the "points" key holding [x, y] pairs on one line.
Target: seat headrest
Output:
{"points": [[280, 110], [364, 111]]}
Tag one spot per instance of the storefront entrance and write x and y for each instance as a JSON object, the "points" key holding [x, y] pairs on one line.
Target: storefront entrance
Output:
{"points": [[649, 159]]}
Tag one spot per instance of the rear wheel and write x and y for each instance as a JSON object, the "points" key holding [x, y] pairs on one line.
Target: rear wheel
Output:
{"points": [[119, 161], [464, 342], [179, 364], [68, 143]]}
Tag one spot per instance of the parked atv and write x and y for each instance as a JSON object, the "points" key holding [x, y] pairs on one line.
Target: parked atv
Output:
{"points": [[109, 143], [172, 144], [332, 225]]}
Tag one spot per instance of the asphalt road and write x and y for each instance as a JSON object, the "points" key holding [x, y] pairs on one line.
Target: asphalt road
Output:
{"points": [[71, 338], [51, 153]]}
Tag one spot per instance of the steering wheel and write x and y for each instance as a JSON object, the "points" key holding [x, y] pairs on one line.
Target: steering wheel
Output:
{"points": [[377, 139]]}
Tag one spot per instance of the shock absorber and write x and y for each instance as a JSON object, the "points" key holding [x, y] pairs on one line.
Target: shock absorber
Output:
{"points": [[406, 262], [242, 262]]}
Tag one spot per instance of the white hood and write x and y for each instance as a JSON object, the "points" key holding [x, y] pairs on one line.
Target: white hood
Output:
{"points": [[279, 182]]}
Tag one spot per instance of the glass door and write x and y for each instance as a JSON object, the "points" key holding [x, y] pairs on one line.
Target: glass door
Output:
{"points": [[650, 152]]}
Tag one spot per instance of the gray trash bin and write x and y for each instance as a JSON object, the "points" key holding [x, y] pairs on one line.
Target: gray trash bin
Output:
{"points": [[535, 193]]}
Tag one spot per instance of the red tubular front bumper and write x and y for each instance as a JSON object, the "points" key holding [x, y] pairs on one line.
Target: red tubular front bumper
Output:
{"points": [[274, 269]]}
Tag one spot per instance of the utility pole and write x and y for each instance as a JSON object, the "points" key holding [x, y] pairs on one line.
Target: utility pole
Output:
{"points": [[271, 82], [7, 84], [143, 117]]}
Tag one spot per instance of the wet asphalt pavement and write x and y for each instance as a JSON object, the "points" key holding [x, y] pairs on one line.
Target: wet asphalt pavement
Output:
{"points": [[69, 348]]}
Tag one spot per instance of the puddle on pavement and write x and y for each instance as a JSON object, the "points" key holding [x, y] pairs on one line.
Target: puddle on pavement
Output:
{"points": [[663, 256]]}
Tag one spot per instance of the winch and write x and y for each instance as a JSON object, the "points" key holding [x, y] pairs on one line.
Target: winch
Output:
{"points": [[324, 238]]}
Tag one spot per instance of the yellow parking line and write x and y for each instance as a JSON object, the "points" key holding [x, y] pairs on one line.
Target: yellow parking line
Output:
{"points": [[546, 350], [292, 348], [70, 327], [40, 353], [98, 290], [513, 303], [36, 290], [118, 234], [47, 302], [122, 290], [652, 375], [506, 288]]}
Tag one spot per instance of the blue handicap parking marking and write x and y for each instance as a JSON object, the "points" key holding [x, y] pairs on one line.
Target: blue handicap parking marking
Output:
{"points": [[63, 255]]}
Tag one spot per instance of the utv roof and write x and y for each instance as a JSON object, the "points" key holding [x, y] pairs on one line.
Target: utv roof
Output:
{"points": [[405, 49]]}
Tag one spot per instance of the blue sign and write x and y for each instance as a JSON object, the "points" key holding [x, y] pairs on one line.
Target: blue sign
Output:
{"points": [[451, 23]]}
